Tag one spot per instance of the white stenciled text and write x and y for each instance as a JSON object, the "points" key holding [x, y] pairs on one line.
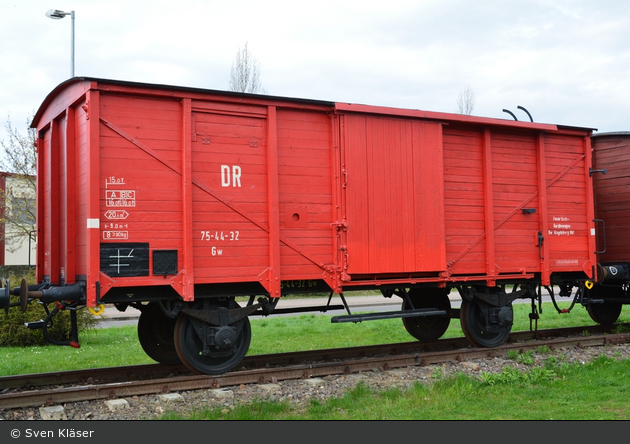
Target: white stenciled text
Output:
{"points": [[561, 227], [230, 176], [219, 236]]}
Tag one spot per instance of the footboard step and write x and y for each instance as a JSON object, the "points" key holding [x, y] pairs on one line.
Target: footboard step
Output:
{"points": [[388, 315]]}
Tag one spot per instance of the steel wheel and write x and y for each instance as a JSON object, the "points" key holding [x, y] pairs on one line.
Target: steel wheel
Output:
{"points": [[606, 313], [427, 328], [474, 325], [156, 334], [190, 347]]}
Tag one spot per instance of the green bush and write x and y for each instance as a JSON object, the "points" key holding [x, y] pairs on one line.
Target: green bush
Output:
{"points": [[13, 332]]}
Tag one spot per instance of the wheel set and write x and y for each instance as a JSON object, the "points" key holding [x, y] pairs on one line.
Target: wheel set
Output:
{"points": [[483, 324], [427, 328], [604, 312], [200, 345]]}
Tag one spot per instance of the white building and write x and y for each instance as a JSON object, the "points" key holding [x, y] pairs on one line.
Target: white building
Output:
{"points": [[17, 220]]}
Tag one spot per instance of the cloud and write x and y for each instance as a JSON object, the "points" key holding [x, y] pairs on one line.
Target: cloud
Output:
{"points": [[565, 60]]}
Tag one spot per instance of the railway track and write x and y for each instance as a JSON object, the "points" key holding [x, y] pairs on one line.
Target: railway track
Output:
{"points": [[110, 383]]}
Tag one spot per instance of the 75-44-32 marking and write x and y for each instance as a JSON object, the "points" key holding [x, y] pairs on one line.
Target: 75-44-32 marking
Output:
{"points": [[219, 236]]}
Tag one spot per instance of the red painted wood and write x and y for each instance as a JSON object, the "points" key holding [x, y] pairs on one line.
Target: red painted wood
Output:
{"points": [[43, 146], [51, 221], [488, 203], [264, 190], [92, 204], [394, 195], [272, 284], [187, 273], [81, 133], [543, 247], [69, 238]]}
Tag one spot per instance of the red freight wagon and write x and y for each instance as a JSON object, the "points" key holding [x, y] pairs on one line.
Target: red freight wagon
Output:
{"points": [[611, 156], [175, 200], [611, 152]]}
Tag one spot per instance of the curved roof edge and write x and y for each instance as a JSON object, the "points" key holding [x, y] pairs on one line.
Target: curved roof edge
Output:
{"points": [[337, 106], [612, 134], [50, 97], [453, 117]]}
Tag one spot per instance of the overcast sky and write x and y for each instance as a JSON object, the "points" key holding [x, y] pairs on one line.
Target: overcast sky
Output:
{"points": [[567, 62]]}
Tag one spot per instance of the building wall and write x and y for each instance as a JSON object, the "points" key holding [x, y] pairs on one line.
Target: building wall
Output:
{"points": [[16, 248]]}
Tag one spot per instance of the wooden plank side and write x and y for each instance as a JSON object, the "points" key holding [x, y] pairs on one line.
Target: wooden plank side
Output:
{"points": [[612, 196], [62, 236], [464, 203], [515, 176], [515, 186], [80, 173], [428, 194], [43, 148], [58, 178], [568, 218], [69, 196], [140, 182], [230, 198], [354, 135], [93, 170], [394, 195], [305, 192]]}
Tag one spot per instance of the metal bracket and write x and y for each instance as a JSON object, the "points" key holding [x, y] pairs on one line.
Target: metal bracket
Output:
{"points": [[591, 171], [603, 235], [221, 317]]}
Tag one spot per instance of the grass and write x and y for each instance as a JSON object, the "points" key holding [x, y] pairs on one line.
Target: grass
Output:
{"points": [[594, 391], [99, 348]]}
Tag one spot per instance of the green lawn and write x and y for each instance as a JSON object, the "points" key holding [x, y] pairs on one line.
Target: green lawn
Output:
{"points": [[593, 391]]}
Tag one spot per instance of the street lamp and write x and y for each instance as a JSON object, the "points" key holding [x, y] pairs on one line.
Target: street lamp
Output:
{"points": [[56, 14]]}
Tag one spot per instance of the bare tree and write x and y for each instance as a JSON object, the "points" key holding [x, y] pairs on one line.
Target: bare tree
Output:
{"points": [[18, 162], [245, 73], [466, 100]]}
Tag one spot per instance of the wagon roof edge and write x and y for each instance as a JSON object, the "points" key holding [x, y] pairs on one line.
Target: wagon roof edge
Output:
{"points": [[133, 84], [454, 117], [336, 106], [613, 134]]}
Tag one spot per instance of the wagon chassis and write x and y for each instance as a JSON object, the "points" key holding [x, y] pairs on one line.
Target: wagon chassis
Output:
{"points": [[212, 334]]}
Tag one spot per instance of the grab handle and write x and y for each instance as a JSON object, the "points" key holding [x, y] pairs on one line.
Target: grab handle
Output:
{"points": [[603, 235]]}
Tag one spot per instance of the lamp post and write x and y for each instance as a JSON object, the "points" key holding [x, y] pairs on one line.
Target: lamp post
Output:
{"points": [[56, 14]]}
